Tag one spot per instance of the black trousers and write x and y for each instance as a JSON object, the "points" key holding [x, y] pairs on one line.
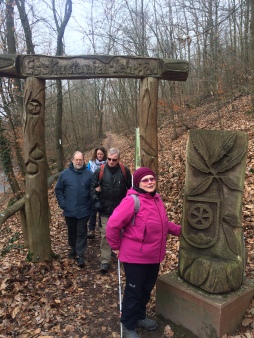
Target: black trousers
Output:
{"points": [[77, 233], [92, 219], [140, 280]]}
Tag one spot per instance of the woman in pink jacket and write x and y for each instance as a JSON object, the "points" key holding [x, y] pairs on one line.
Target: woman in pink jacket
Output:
{"points": [[140, 246]]}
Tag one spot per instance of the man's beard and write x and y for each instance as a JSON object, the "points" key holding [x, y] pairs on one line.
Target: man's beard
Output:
{"points": [[78, 166]]}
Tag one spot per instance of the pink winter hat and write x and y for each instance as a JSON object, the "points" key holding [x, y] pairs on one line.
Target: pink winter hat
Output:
{"points": [[140, 173]]}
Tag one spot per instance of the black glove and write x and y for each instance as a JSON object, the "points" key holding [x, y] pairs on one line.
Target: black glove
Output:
{"points": [[97, 205]]}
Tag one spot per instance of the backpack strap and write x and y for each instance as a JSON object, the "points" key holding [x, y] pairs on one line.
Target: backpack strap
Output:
{"points": [[102, 171], [136, 206], [123, 170]]}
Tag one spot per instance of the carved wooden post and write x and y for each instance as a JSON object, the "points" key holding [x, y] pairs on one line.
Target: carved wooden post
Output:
{"points": [[212, 253], [36, 201], [148, 123]]}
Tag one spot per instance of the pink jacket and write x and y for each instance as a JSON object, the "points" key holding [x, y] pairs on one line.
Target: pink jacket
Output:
{"points": [[145, 241]]}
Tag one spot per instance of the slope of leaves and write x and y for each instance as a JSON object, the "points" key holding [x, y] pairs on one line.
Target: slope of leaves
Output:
{"points": [[57, 299]]}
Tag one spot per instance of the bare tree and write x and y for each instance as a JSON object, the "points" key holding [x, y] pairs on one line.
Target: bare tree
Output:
{"points": [[11, 106], [60, 27], [252, 53]]}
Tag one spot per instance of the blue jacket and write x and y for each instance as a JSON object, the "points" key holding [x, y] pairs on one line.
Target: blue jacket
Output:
{"points": [[73, 191]]}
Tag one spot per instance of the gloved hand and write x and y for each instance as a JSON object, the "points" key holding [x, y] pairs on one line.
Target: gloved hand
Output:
{"points": [[97, 205]]}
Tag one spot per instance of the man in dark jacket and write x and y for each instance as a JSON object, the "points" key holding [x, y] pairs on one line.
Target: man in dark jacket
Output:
{"points": [[107, 193], [73, 196]]}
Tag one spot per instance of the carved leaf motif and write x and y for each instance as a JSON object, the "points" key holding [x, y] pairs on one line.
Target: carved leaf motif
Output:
{"points": [[198, 165], [31, 168], [233, 220], [232, 160], [197, 271], [201, 187], [36, 153], [231, 239], [226, 145], [200, 239], [199, 144], [232, 184]]}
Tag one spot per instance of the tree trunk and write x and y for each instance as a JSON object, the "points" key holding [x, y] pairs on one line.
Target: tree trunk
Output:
{"points": [[59, 110], [148, 123], [74, 125], [26, 26], [6, 160], [14, 119], [252, 53], [13, 107], [58, 126]]}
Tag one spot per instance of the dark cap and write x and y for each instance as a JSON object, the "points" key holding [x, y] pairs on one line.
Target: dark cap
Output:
{"points": [[140, 173]]}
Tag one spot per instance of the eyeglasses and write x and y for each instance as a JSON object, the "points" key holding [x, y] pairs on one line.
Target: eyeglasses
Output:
{"points": [[112, 159], [146, 180]]}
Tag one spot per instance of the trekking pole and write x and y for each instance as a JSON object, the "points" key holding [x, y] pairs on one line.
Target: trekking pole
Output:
{"points": [[120, 295]]}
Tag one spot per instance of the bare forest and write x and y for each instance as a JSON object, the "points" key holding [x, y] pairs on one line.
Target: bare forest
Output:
{"points": [[216, 38]]}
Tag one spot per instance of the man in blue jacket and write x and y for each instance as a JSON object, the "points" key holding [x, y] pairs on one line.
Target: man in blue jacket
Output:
{"points": [[73, 196]]}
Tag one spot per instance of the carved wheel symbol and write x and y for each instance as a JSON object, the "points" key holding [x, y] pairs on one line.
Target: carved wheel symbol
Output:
{"points": [[200, 216]]}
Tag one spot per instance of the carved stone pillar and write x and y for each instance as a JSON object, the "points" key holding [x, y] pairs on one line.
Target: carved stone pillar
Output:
{"points": [[148, 123], [212, 251], [36, 201]]}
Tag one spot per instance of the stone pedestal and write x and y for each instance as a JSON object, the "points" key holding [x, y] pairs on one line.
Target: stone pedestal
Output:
{"points": [[205, 315]]}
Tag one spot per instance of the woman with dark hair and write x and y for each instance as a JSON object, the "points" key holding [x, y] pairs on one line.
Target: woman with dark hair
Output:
{"points": [[99, 157]]}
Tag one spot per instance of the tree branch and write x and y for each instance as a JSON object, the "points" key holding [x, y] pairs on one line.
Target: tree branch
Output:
{"points": [[10, 211]]}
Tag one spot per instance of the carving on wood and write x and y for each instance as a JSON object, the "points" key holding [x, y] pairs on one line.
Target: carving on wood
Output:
{"points": [[93, 66], [33, 127], [212, 253]]}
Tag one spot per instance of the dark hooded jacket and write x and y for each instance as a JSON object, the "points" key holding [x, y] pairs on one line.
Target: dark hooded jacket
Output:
{"points": [[73, 191], [114, 187]]}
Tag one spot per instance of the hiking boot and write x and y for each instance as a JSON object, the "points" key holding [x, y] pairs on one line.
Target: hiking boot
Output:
{"points": [[147, 324], [129, 333], [104, 267], [91, 234], [80, 262], [72, 253]]}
